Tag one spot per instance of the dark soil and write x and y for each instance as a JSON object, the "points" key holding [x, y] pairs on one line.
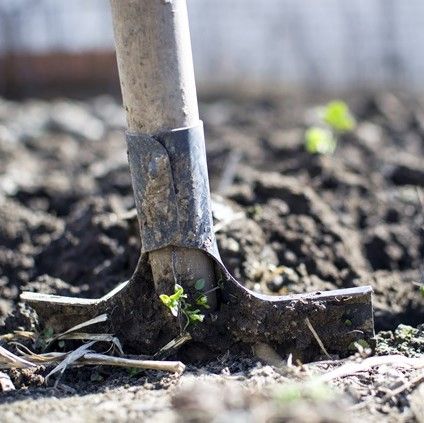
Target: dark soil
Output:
{"points": [[349, 219]]}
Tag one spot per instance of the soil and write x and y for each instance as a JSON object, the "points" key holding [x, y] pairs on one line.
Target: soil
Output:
{"points": [[326, 222]]}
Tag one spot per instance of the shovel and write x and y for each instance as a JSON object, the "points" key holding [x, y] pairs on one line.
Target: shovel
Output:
{"points": [[166, 153]]}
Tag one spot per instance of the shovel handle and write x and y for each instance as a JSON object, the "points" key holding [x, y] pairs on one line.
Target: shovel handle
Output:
{"points": [[155, 64]]}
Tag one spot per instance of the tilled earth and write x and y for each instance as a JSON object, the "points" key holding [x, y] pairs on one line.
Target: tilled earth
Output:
{"points": [[287, 221]]}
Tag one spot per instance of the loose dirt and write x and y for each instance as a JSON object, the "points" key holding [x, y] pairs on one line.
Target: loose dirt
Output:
{"points": [[287, 221]]}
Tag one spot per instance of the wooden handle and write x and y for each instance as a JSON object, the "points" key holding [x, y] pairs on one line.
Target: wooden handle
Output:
{"points": [[153, 50]]}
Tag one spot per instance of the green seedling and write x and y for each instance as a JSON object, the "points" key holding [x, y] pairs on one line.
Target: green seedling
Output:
{"points": [[255, 211], [179, 306], [361, 343], [320, 141], [338, 117], [202, 301], [335, 119], [312, 390], [44, 338], [174, 301], [348, 322], [405, 332]]}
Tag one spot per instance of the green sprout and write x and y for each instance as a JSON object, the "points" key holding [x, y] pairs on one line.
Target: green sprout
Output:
{"points": [[335, 119], [179, 306], [47, 333], [202, 301], [405, 332], [44, 338], [320, 141], [174, 301], [421, 289], [338, 117], [312, 390], [361, 343]]}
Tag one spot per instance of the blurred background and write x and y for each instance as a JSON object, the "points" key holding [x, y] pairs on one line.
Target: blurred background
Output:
{"points": [[66, 47]]}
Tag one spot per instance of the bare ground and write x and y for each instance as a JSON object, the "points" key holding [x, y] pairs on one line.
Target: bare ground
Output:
{"points": [[349, 219]]}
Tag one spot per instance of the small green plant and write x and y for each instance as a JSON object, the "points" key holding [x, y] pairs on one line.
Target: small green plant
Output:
{"points": [[405, 332], [312, 390], [44, 338], [179, 306], [335, 119], [173, 302], [348, 322], [360, 343], [202, 301], [337, 116], [320, 140]]}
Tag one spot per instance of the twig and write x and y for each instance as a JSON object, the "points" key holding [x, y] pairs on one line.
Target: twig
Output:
{"points": [[173, 345], [104, 337], [98, 319], [406, 386], [360, 405], [102, 359], [46, 358], [106, 360], [70, 359], [420, 196], [9, 360], [22, 334], [318, 339], [128, 215], [365, 365], [390, 394]]}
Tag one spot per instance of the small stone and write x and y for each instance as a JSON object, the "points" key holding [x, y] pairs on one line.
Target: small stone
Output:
{"points": [[276, 283], [230, 244], [5, 383], [288, 277], [290, 257]]}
